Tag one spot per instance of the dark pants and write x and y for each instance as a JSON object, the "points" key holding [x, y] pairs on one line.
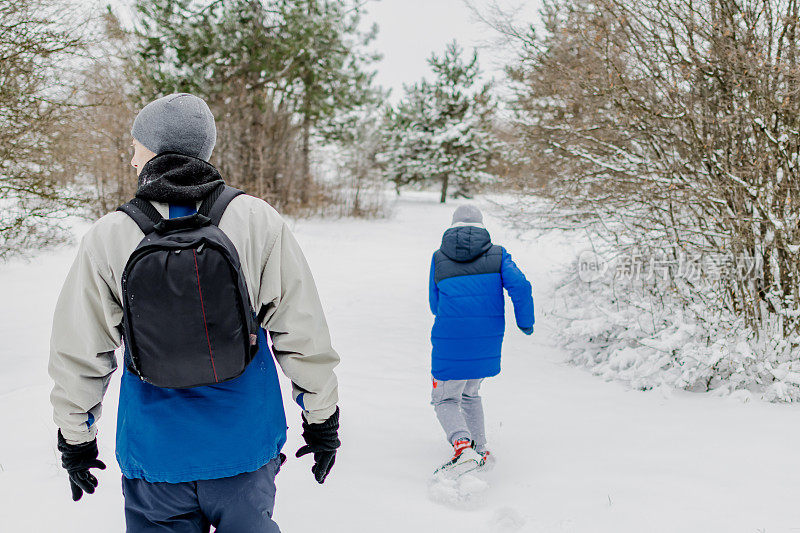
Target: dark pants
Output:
{"points": [[238, 504]]}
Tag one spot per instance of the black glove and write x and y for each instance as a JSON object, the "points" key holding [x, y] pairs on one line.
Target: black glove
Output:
{"points": [[77, 459], [321, 440]]}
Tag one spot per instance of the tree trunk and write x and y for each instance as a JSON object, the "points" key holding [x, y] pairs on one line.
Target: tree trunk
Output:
{"points": [[445, 181], [306, 184]]}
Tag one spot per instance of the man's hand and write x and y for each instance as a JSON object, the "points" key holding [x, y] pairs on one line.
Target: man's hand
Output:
{"points": [[527, 331], [322, 440], [77, 459]]}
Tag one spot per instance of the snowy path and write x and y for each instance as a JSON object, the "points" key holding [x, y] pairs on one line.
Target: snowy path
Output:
{"points": [[575, 454]]}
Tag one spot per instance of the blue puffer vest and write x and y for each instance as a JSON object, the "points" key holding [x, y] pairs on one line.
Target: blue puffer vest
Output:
{"points": [[468, 274]]}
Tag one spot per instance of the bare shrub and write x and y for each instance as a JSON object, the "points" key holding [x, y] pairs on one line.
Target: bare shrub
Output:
{"points": [[94, 141], [671, 129], [33, 101]]}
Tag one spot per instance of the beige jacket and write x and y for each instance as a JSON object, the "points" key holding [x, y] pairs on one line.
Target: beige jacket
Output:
{"points": [[88, 315]]}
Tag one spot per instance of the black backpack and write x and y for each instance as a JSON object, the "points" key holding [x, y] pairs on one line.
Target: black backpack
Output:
{"points": [[187, 318]]}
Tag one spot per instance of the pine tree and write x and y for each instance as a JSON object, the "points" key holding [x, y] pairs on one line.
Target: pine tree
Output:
{"points": [[304, 58], [325, 68], [441, 130]]}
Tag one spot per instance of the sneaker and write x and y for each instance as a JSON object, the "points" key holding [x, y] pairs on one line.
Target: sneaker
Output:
{"points": [[464, 451], [460, 446], [488, 459], [482, 451], [465, 459]]}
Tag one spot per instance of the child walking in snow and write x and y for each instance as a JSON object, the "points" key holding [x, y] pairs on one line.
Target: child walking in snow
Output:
{"points": [[468, 275]]}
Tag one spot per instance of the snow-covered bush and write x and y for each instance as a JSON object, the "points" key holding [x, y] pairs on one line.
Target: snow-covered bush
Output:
{"points": [[670, 132], [653, 321]]}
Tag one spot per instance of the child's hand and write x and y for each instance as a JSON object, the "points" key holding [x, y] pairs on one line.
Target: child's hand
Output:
{"points": [[527, 331]]}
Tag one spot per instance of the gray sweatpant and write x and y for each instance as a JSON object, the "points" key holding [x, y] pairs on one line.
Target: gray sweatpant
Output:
{"points": [[460, 411]]}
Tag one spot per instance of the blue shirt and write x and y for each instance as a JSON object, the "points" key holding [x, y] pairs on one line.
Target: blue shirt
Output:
{"points": [[209, 432]]}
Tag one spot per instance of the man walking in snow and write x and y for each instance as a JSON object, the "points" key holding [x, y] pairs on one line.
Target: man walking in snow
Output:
{"points": [[191, 274], [468, 275]]}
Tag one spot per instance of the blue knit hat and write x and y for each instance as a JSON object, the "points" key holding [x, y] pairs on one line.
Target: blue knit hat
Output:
{"points": [[180, 123]]}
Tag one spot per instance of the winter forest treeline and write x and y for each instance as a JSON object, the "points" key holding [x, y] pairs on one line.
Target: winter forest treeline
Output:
{"points": [[664, 131]]}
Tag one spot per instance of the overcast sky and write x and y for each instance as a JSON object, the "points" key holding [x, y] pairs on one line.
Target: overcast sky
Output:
{"points": [[410, 30]]}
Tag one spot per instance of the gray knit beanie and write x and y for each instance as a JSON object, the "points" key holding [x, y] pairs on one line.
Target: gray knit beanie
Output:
{"points": [[180, 123], [468, 214]]}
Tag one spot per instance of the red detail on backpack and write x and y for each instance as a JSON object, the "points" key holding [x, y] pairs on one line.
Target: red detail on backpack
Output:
{"points": [[435, 384], [205, 323]]}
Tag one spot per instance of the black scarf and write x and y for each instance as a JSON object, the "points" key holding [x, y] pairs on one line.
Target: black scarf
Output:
{"points": [[177, 178]]}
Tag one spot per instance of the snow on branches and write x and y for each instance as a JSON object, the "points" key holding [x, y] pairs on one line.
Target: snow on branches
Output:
{"points": [[442, 130], [673, 129]]}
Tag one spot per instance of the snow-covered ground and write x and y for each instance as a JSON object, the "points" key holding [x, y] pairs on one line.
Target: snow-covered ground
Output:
{"points": [[574, 453]]}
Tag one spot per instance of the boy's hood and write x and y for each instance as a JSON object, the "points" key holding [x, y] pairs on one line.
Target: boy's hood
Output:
{"points": [[464, 243]]}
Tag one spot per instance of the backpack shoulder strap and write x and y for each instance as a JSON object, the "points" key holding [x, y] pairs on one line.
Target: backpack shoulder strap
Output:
{"points": [[143, 213], [217, 201]]}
